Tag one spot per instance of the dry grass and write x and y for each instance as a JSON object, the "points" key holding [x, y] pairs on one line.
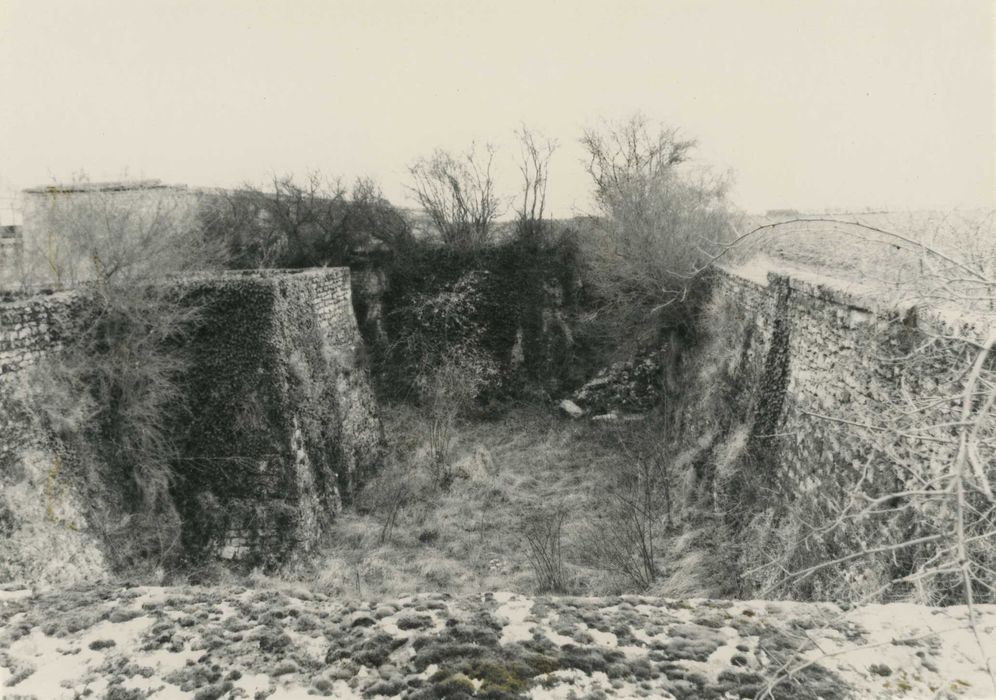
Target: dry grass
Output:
{"points": [[469, 538]]}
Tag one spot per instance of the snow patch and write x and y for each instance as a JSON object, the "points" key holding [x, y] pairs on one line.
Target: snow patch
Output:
{"points": [[514, 609]]}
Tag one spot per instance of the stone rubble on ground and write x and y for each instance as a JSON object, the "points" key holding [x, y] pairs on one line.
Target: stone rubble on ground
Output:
{"points": [[571, 409]]}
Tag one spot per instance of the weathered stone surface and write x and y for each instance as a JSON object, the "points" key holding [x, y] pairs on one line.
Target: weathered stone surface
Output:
{"points": [[815, 363], [633, 386]]}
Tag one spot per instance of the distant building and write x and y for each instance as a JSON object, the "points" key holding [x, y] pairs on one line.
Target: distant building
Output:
{"points": [[66, 226], [10, 253]]}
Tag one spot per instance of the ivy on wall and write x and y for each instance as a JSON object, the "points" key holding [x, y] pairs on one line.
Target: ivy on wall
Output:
{"points": [[266, 463], [527, 298]]}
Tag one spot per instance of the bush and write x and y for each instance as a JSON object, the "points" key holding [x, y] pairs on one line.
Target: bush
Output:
{"points": [[625, 540], [659, 221], [446, 392], [388, 492], [312, 224], [542, 532]]}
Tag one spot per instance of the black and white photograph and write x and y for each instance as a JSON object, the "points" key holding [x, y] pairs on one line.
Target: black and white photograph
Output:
{"points": [[454, 349]]}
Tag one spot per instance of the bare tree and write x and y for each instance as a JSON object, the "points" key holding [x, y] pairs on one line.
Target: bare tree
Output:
{"points": [[291, 225], [535, 152], [458, 193], [312, 223], [630, 152], [373, 218], [657, 220]]}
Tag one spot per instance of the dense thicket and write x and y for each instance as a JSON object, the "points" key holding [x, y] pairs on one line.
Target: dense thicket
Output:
{"points": [[316, 223], [520, 300]]}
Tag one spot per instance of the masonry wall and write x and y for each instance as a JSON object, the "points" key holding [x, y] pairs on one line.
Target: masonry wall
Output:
{"points": [[807, 395], [30, 327], [279, 429], [283, 426], [45, 535], [825, 364]]}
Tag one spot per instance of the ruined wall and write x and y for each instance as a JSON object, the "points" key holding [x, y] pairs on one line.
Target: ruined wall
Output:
{"points": [[823, 364], [807, 396], [30, 327], [44, 533], [283, 425], [279, 429], [522, 300]]}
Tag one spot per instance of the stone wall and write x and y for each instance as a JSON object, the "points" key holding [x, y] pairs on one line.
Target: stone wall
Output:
{"points": [[279, 430], [30, 327], [283, 425], [807, 396], [824, 365], [44, 532]]}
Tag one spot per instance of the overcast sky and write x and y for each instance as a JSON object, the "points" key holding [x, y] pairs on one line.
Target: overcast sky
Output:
{"points": [[813, 104]]}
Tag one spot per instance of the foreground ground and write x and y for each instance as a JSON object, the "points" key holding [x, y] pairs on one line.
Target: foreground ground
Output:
{"points": [[469, 537], [190, 642]]}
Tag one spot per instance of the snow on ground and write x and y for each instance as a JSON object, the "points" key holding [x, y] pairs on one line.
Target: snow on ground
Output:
{"points": [[189, 642], [915, 651]]}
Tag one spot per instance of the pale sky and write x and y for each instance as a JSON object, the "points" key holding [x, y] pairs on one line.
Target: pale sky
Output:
{"points": [[812, 103]]}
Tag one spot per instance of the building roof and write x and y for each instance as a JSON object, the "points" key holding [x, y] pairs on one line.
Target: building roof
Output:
{"points": [[115, 186]]}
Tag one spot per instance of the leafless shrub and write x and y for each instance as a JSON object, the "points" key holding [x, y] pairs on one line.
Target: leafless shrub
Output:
{"points": [[446, 392], [388, 493], [535, 152], [458, 193], [659, 220], [625, 539], [542, 532]]}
